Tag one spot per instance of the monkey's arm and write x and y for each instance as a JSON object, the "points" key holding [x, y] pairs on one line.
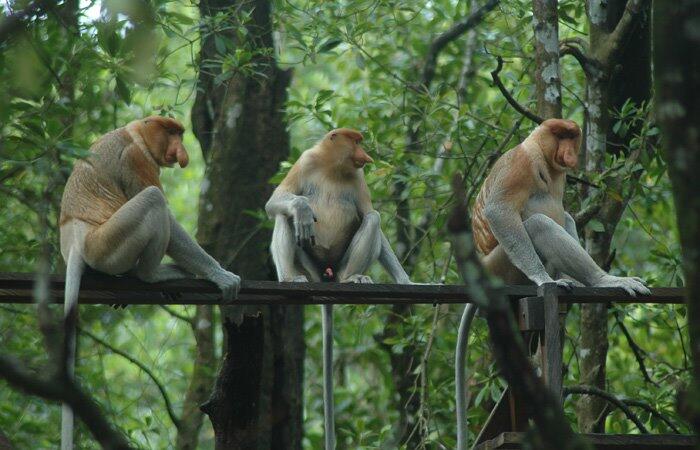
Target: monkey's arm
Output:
{"points": [[388, 260], [286, 201], [387, 257], [511, 189], [191, 257]]}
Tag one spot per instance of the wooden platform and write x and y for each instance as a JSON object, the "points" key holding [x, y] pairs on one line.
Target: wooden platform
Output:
{"points": [[103, 289], [513, 440]]}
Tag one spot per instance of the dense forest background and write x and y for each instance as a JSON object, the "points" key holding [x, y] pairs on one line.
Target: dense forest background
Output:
{"points": [[258, 82]]}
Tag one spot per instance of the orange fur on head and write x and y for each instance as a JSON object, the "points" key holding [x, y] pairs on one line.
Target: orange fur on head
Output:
{"points": [[163, 137], [565, 142], [348, 141]]}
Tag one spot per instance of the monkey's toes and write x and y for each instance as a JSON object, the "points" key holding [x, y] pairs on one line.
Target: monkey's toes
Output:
{"points": [[358, 278]]}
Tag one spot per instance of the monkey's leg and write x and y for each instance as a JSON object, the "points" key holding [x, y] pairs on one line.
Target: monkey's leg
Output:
{"points": [[363, 250], [134, 239], [288, 256], [556, 246]]}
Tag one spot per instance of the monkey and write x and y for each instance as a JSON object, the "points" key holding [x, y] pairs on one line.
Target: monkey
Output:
{"points": [[519, 220], [324, 217], [326, 229], [115, 219]]}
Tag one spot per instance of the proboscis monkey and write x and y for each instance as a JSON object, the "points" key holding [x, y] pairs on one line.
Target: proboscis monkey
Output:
{"points": [[115, 218], [326, 228], [519, 222]]}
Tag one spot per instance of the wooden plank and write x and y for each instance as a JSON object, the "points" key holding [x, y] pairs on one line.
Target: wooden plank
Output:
{"points": [[512, 440], [531, 314], [552, 369], [104, 289]]}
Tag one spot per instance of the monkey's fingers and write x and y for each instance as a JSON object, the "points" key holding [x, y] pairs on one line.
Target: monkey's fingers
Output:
{"points": [[565, 283]]}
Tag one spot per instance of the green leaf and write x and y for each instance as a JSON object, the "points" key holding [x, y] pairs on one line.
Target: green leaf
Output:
{"points": [[220, 44], [123, 90], [360, 61], [596, 226], [329, 45]]}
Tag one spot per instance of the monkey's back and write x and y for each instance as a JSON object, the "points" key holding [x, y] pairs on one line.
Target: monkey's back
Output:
{"points": [[484, 239], [92, 193]]}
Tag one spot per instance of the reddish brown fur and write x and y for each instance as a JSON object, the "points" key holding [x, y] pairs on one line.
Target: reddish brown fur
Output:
{"points": [[96, 188], [513, 185], [552, 147]]}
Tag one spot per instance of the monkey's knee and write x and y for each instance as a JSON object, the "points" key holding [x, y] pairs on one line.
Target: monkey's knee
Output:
{"points": [[539, 224], [372, 219], [154, 198]]}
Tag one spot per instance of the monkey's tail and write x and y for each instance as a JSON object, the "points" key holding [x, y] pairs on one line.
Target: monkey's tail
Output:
{"points": [[74, 272]]}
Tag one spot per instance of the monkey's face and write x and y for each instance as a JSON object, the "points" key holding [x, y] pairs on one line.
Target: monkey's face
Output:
{"points": [[347, 145], [175, 151], [562, 142], [163, 137]]}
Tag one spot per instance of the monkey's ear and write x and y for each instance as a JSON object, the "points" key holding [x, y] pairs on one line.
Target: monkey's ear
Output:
{"points": [[333, 136]]}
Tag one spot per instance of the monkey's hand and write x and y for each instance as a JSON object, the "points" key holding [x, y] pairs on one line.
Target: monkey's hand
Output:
{"points": [[631, 285], [304, 219], [228, 282], [565, 283]]}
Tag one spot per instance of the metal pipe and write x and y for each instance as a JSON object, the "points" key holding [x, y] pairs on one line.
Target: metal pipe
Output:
{"points": [[328, 415], [460, 374]]}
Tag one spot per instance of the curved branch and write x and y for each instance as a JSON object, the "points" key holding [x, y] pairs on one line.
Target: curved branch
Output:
{"points": [[576, 48], [635, 349], [622, 29], [513, 102], [63, 389], [592, 390], [650, 409], [585, 215], [458, 29], [146, 370]]}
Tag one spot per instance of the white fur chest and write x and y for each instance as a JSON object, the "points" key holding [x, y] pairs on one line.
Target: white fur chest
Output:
{"points": [[335, 207]]}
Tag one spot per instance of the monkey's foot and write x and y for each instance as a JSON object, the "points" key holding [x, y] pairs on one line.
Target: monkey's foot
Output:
{"points": [[631, 285], [358, 278], [298, 279], [565, 283]]}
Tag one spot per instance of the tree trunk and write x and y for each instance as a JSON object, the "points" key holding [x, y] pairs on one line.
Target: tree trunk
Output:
{"points": [[677, 78], [238, 119], [547, 77], [619, 71], [201, 379]]}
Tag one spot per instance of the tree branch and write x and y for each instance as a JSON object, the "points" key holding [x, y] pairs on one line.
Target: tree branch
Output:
{"points": [[615, 38], [168, 405], [577, 48], [458, 29], [635, 349], [585, 215], [650, 409], [592, 390], [185, 318], [62, 389], [12, 24], [513, 102]]}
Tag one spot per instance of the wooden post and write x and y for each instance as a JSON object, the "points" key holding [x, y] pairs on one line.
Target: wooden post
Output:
{"points": [[552, 351]]}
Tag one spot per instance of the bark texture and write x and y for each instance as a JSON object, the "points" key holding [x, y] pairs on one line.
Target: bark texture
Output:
{"points": [[547, 77], [677, 80], [201, 380], [618, 68], [238, 119]]}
